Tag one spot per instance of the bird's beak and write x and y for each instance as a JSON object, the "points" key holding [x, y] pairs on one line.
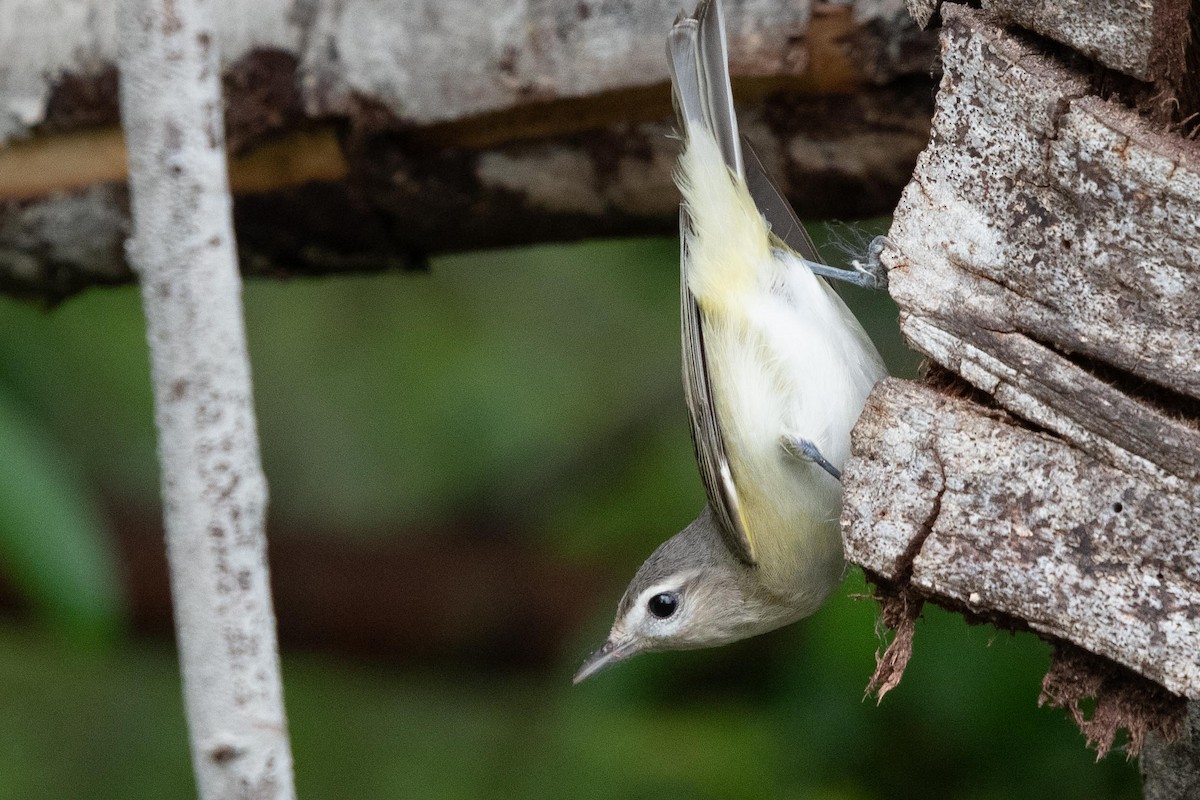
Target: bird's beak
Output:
{"points": [[612, 652]]}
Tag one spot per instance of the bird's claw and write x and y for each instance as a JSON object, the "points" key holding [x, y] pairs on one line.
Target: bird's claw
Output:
{"points": [[806, 450], [872, 273]]}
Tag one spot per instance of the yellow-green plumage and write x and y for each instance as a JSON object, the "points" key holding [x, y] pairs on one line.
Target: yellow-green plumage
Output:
{"points": [[723, 216]]}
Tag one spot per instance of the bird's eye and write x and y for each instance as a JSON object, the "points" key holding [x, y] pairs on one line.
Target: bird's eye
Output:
{"points": [[663, 605]]}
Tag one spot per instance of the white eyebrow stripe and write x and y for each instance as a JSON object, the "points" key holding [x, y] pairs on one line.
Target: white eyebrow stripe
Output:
{"points": [[675, 584]]}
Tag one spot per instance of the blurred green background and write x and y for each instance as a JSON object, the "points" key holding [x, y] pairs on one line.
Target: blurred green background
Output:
{"points": [[518, 410]]}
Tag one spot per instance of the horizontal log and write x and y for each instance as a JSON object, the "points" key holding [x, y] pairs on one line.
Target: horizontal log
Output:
{"points": [[426, 61], [330, 200], [974, 511], [1048, 251], [553, 124]]}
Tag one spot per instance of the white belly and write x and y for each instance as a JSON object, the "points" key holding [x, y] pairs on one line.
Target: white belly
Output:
{"points": [[790, 361]]}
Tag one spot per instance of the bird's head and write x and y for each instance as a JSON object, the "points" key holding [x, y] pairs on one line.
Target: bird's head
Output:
{"points": [[690, 593]]}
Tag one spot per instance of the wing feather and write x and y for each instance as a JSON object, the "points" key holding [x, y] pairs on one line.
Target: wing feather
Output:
{"points": [[698, 58], [774, 206], [707, 440], [718, 91]]}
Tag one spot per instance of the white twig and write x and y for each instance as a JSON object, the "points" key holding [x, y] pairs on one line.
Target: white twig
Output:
{"points": [[214, 493]]}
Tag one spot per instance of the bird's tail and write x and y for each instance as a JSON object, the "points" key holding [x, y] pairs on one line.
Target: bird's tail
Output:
{"points": [[698, 55], [725, 238]]}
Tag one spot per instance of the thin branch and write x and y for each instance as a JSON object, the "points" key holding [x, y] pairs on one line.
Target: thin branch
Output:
{"points": [[214, 492]]}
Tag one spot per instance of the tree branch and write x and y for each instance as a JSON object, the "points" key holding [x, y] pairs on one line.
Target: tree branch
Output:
{"points": [[214, 493], [368, 141]]}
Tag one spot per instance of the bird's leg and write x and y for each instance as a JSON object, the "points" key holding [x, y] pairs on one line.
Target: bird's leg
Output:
{"points": [[868, 274], [805, 449], [875, 274]]}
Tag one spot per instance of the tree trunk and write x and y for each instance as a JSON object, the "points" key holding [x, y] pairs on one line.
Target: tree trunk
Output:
{"points": [[1046, 260], [214, 493], [1172, 771]]}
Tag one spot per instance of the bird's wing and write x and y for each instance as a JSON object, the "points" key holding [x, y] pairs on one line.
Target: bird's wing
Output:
{"points": [[702, 413], [774, 206], [697, 56]]}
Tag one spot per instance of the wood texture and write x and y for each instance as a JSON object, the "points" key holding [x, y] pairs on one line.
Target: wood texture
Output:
{"points": [[1048, 251], [552, 122], [427, 61], [1172, 771], [1132, 36], [984, 515], [213, 488], [923, 11]]}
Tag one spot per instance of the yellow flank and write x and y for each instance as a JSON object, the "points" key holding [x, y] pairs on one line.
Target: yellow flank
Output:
{"points": [[798, 545], [730, 235]]}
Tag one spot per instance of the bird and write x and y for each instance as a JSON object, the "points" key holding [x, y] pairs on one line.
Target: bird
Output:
{"points": [[776, 371]]}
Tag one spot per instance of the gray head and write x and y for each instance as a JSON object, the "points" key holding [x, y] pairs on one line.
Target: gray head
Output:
{"points": [[691, 592]]}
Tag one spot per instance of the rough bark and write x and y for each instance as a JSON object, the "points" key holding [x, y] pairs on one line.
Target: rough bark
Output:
{"points": [[214, 492], [1048, 253], [1172, 771], [982, 514], [491, 125], [923, 12], [1143, 39], [427, 62], [1046, 256], [1146, 50]]}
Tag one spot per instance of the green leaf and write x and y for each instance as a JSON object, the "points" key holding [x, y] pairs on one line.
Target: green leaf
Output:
{"points": [[54, 544]]}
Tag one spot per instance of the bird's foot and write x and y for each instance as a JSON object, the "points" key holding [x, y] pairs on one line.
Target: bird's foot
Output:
{"points": [[805, 449], [866, 273], [873, 274]]}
